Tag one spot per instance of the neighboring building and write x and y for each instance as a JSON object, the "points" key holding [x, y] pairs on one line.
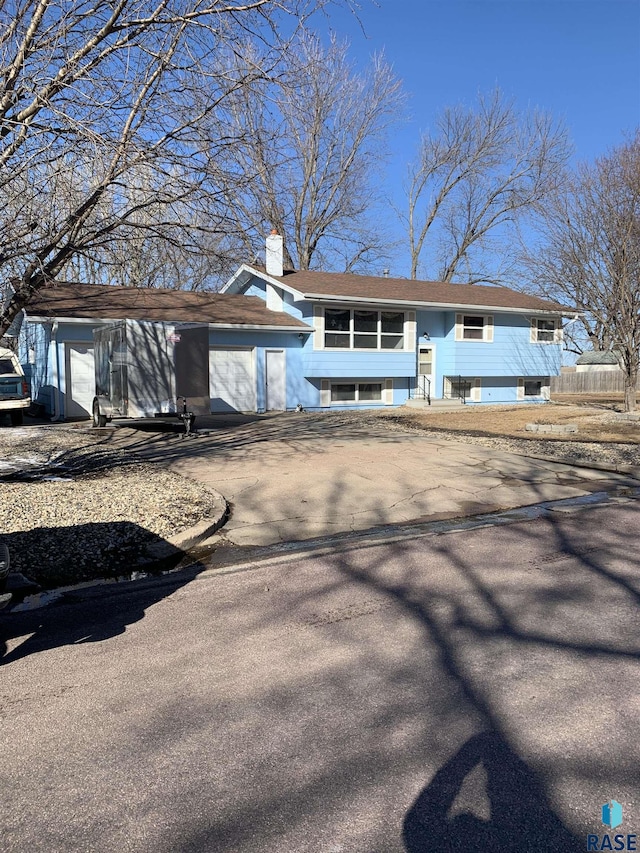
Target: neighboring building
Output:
{"points": [[322, 340], [594, 361]]}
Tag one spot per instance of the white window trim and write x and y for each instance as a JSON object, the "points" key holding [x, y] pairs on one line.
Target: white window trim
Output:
{"points": [[487, 328], [426, 345], [408, 333], [545, 389], [386, 395], [558, 334], [475, 395]]}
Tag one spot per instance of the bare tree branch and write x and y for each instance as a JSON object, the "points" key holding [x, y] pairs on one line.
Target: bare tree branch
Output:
{"points": [[478, 173], [98, 97], [589, 254], [310, 142]]}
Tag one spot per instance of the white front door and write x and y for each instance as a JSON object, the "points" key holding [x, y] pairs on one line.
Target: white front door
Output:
{"points": [[232, 383], [425, 369], [275, 380], [80, 382]]}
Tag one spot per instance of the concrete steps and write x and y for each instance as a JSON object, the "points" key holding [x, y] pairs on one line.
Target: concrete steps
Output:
{"points": [[435, 404]]}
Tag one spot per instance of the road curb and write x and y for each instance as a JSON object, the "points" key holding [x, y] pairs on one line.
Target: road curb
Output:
{"points": [[632, 471], [191, 538]]}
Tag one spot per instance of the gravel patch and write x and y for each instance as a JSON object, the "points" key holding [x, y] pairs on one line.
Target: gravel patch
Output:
{"points": [[72, 510]]}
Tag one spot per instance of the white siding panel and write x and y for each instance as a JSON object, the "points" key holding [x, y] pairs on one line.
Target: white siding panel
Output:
{"points": [[488, 332], [410, 329], [458, 327], [80, 380], [318, 327]]}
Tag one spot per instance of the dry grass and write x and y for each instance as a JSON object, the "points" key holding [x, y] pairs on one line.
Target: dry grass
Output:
{"points": [[594, 416]]}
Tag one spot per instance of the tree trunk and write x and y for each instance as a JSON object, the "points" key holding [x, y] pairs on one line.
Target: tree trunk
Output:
{"points": [[630, 392]]}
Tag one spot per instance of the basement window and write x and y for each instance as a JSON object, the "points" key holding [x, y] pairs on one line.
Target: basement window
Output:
{"points": [[356, 392]]}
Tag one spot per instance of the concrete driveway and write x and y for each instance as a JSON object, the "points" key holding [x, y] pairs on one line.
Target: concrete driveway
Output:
{"points": [[290, 477]]}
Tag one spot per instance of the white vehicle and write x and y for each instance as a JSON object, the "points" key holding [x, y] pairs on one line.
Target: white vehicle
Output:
{"points": [[14, 388]]}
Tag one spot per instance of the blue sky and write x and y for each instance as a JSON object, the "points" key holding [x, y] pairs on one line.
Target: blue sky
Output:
{"points": [[578, 59]]}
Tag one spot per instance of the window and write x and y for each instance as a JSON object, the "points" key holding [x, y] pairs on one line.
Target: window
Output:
{"points": [[363, 329], [474, 327], [545, 331], [392, 324], [356, 392], [337, 328], [532, 387], [463, 387]]}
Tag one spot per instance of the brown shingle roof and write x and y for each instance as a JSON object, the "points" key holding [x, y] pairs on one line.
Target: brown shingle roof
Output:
{"points": [[350, 286], [104, 302]]}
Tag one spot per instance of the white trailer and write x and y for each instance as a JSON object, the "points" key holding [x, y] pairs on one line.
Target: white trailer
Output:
{"points": [[148, 369]]}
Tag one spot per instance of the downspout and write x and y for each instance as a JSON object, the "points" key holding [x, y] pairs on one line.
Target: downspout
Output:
{"points": [[57, 407]]}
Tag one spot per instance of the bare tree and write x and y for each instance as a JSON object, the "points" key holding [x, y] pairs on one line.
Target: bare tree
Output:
{"points": [[90, 93], [478, 173], [173, 247], [589, 255], [311, 144]]}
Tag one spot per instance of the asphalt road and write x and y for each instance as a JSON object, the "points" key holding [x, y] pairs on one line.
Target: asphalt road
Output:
{"points": [[475, 690]]}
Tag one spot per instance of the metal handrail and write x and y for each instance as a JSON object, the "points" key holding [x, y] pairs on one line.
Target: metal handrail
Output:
{"points": [[424, 386], [461, 390]]}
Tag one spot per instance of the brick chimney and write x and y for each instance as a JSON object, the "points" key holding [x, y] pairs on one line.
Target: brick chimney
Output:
{"points": [[274, 254]]}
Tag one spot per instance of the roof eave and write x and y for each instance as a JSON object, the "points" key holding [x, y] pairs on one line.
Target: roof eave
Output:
{"points": [[240, 277], [323, 297], [103, 321], [261, 328]]}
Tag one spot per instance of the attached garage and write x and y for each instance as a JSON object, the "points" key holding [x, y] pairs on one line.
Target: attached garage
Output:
{"points": [[232, 379], [233, 359]]}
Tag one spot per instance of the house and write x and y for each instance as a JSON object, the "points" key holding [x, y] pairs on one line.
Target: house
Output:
{"points": [[281, 338], [379, 341]]}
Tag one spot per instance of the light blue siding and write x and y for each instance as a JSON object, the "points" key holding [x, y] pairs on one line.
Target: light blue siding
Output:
{"points": [[298, 388], [331, 364], [256, 287], [498, 363], [509, 354], [34, 349]]}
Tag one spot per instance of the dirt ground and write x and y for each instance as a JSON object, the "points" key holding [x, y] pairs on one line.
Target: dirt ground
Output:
{"points": [[596, 417]]}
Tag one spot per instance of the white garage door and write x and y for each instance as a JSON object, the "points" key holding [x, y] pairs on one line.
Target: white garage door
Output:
{"points": [[232, 382], [79, 380]]}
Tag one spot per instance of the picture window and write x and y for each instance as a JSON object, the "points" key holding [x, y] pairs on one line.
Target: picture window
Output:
{"points": [[363, 329]]}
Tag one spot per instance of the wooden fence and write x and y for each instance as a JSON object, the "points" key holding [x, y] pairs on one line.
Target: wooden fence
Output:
{"points": [[590, 382]]}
